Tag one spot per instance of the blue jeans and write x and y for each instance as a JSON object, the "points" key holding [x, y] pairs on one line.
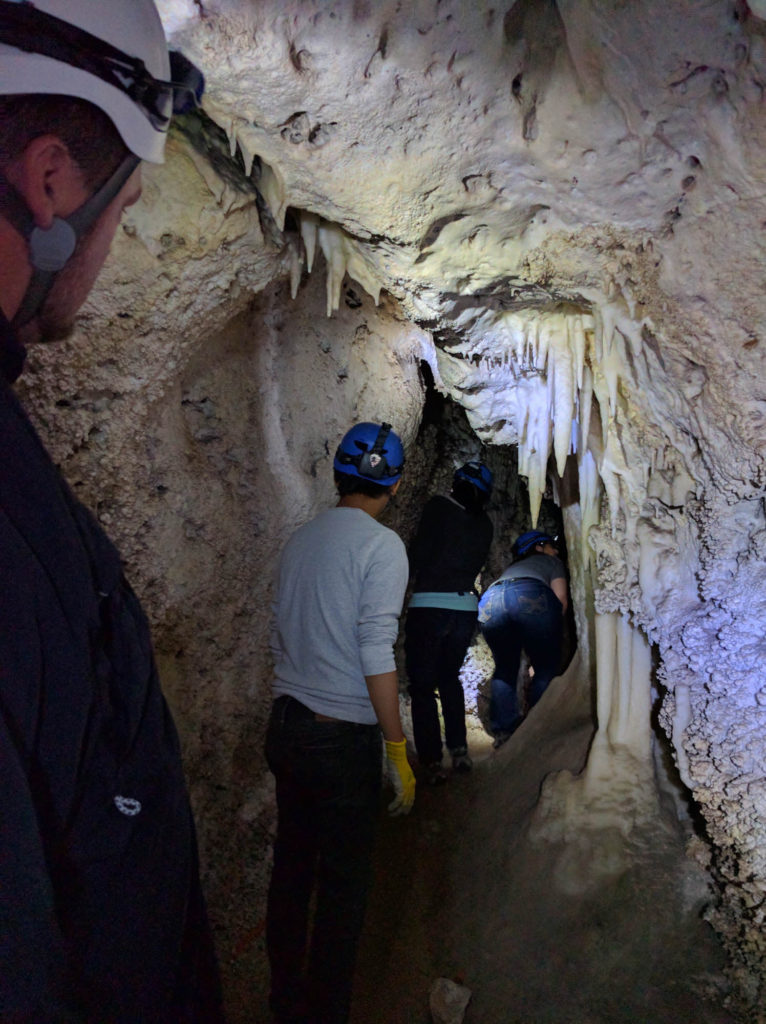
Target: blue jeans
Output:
{"points": [[516, 615], [328, 776], [435, 646]]}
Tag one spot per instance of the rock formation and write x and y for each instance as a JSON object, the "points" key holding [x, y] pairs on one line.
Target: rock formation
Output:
{"points": [[558, 206]]}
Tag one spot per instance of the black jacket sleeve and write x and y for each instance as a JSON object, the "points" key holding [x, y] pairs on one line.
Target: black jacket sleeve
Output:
{"points": [[33, 982]]}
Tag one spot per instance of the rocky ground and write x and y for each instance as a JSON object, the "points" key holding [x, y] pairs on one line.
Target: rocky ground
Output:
{"points": [[461, 893]]}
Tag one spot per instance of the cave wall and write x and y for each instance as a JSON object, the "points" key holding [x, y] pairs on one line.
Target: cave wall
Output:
{"points": [[202, 444], [562, 207]]}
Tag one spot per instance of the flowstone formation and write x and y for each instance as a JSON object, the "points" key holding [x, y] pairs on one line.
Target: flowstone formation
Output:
{"points": [[559, 207]]}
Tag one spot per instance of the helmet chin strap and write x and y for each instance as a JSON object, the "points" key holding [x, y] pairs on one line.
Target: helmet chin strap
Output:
{"points": [[50, 250]]}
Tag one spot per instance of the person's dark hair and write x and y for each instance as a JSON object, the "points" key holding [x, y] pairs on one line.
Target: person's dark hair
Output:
{"points": [[346, 484], [94, 142], [470, 497]]}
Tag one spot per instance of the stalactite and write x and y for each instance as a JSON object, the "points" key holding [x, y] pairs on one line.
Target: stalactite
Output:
{"points": [[272, 188], [309, 230], [248, 155], [579, 346], [342, 256], [584, 408], [562, 373], [611, 367], [520, 334], [331, 244], [543, 342], [601, 393], [535, 443]]}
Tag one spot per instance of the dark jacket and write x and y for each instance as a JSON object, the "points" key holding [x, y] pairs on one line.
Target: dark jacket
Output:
{"points": [[101, 913], [450, 547]]}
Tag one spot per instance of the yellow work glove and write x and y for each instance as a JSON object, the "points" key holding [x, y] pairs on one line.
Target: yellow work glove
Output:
{"points": [[401, 777]]}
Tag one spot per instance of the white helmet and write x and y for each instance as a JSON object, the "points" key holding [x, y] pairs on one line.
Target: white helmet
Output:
{"points": [[96, 50]]}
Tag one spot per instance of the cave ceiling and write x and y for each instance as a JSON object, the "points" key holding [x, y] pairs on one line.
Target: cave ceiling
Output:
{"points": [[519, 175]]}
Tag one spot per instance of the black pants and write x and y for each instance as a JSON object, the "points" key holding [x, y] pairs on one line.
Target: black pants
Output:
{"points": [[435, 646], [328, 778]]}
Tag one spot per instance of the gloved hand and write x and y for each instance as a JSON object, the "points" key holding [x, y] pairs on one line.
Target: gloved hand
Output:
{"points": [[401, 777]]}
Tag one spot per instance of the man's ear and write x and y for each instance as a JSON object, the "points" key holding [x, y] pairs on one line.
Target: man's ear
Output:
{"points": [[48, 178], [395, 487]]}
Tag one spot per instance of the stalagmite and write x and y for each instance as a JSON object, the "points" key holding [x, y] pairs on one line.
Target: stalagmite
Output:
{"points": [[615, 791], [628, 722]]}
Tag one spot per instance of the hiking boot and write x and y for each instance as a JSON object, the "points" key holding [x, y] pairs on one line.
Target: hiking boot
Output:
{"points": [[461, 762], [435, 774]]}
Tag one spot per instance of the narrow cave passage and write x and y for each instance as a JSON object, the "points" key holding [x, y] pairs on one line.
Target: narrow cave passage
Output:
{"points": [[595, 926], [444, 442], [461, 891], [465, 888]]}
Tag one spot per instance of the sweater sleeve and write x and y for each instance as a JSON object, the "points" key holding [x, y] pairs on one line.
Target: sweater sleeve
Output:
{"points": [[383, 590]]}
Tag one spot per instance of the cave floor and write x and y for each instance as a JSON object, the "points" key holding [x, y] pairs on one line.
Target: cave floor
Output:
{"points": [[459, 892]]}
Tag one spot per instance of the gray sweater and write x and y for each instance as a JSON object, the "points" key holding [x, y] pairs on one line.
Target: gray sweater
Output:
{"points": [[340, 586]]}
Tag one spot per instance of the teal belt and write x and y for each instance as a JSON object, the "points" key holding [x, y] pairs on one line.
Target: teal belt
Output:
{"points": [[460, 601]]}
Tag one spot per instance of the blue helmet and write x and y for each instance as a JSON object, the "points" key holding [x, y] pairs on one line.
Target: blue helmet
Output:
{"points": [[371, 451], [476, 473], [530, 539]]}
